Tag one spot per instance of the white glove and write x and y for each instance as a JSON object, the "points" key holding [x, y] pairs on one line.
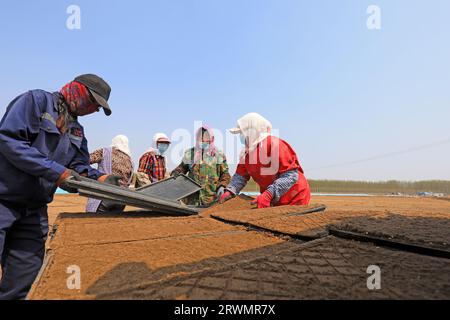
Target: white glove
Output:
{"points": [[220, 191]]}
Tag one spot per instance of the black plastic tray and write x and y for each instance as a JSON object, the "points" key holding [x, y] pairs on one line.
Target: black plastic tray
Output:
{"points": [[91, 188], [173, 188]]}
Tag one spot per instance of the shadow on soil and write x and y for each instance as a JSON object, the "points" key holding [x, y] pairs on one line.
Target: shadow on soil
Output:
{"points": [[432, 232], [127, 277], [135, 280]]}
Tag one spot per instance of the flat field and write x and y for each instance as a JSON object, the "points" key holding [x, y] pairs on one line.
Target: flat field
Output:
{"points": [[235, 252]]}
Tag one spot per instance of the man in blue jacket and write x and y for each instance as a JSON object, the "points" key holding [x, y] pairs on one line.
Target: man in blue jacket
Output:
{"points": [[42, 144]]}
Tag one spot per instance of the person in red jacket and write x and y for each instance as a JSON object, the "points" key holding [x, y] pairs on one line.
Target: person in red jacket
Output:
{"points": [[271, 163]]}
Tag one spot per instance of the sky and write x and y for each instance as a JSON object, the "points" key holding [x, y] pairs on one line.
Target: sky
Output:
{"points": [[354, 103]]}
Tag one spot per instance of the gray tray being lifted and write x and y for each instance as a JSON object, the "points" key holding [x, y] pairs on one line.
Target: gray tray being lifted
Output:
{"points": [[174, 188], [94, 189]]}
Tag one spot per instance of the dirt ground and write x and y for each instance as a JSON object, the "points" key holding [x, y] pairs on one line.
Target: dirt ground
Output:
{"points": [[328, 268], [430, 231], [65, 203], [140, 256], [414, 219]]}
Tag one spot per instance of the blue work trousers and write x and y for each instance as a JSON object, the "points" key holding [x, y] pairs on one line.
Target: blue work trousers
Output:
{"points": [[23, 232]]}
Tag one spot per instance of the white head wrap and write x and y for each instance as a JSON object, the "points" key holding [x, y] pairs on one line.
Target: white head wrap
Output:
{"points": [[120, 142], [254, 127]]}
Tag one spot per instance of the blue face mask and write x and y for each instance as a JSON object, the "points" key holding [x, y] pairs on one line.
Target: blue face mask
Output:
{"points": [[162, 147], [204, 145], [242, 138]]}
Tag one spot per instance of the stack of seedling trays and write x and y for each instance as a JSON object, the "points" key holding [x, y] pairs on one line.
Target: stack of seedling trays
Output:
{"points": [[161, 197]]}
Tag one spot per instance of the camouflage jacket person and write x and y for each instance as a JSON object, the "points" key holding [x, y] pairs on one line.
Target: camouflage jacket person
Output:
{"points": [[208, 167]]}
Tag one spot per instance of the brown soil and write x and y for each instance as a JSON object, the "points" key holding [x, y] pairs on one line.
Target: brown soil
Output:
{"points": [[251, 215], [65, 203], [238, 203], [139, 255], [155, 243], [329, 268], [430, 232], [405, 205], [378, 210], [96, 230]]}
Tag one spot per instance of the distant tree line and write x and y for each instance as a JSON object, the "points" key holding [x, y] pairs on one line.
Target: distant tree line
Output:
{"points": [[392, 186]]}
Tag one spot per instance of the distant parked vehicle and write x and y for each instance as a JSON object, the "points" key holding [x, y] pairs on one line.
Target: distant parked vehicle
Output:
{"points": [[425, 194]]}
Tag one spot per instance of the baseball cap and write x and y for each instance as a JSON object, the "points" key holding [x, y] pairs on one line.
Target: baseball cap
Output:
{"points": [[99, 89]]}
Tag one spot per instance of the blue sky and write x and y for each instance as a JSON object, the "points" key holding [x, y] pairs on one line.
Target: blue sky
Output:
{"points": [[336, 91]]}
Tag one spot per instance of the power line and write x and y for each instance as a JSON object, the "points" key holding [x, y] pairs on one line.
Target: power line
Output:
{"points": [[385, 155]]}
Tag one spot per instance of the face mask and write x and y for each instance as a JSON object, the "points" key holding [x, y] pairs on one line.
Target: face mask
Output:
{"points": [[242, 138], [79, 99], [204, 145], [162, 147], [84, 110]]}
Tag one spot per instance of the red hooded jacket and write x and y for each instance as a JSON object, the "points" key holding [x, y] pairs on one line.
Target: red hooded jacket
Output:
{"points": [[271, 158]]}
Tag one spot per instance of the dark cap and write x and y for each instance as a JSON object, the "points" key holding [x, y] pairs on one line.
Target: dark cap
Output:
{"points": [[99, 89]]}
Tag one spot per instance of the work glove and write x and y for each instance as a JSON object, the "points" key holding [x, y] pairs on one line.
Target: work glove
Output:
{"points": [[220, 191], [110, 179], [264, 200], [227, 195], [62, 181], [174, 173]]}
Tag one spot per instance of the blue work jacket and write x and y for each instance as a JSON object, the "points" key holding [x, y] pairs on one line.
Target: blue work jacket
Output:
{"points": [[34, 154]]}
